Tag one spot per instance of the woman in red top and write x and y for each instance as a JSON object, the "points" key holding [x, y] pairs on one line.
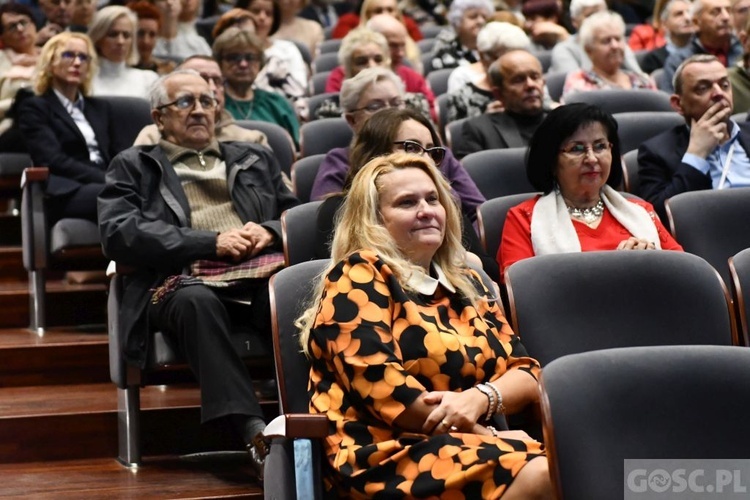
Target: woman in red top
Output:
{"points": [[650, 36], [574, 159], [369, 8]]}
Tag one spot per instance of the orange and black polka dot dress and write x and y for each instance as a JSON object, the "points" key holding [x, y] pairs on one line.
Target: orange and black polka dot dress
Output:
{"points": [[375, 348]]}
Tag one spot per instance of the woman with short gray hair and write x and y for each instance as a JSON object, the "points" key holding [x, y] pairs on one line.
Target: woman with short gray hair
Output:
{"points": [[602, 36], [457, 46]]}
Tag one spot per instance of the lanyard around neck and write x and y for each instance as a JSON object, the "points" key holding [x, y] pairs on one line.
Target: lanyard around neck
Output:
{"points": [[727, 165]]}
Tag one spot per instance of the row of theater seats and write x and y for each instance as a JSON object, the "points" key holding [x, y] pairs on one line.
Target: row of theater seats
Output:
{"points": [[595, 321], [496, 172], [75, 243]]}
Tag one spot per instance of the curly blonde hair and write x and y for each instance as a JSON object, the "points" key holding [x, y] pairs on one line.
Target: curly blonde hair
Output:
{"points": [[51, 55], [359, 227]]}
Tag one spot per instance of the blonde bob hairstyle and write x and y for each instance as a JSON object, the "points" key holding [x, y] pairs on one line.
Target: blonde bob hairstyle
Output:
{"points": [[51, 55], [359, 227], [103, 21]]}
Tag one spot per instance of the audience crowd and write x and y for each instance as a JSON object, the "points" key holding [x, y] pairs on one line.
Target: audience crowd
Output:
{"points": [[193, 204]]}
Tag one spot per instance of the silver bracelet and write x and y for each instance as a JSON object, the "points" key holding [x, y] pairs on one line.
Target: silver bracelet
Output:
{"points": [[491, 402], [492, 430], [500, 408]]}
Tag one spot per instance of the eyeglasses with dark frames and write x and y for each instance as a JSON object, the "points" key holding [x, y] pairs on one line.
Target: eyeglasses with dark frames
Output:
{"points": [[248, 57], [362, 60], [188, 101], [437, 153]]}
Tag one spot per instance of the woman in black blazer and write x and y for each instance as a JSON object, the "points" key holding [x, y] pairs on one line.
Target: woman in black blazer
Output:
{"points": [[71, 134]]}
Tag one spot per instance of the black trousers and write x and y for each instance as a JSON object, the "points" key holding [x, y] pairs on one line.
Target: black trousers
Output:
{"points": [[80, 204], [198, 320]]}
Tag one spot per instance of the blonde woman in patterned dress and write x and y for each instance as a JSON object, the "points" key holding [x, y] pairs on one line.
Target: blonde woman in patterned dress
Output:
{"points": [[412, 361]]}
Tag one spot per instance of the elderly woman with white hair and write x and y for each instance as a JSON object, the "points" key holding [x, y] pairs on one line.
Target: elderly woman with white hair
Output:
{"points": [[364, 48], [458, 46], [113, 35], [602, 36], [568, 55], [360, 49]]}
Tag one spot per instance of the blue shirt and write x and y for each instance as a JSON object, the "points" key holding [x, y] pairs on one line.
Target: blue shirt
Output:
{"points": [[713, 164]]}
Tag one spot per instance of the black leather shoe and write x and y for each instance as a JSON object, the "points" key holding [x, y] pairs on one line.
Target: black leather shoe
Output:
{"points": [[258, 450]]}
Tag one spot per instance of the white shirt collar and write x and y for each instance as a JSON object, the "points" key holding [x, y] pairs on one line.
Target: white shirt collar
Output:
{"points": [[426, 284], [67, 103]]}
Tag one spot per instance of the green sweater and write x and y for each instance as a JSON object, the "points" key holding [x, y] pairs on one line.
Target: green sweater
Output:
{"points": [[267, 107]]}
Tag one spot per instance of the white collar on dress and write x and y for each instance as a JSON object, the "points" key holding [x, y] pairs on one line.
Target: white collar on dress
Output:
{"points": [[426, 284]]}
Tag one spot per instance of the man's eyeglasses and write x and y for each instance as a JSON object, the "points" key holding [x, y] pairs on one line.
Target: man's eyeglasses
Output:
{"points": [[238, 58], [18, 25], [437, 153], [579, 151], [188, 102], [69, 56], [378, 104], [363, 60]]}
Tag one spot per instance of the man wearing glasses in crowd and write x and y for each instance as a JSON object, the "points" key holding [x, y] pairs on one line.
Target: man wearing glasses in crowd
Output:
{"points": [[225, 128], [198, 220]]}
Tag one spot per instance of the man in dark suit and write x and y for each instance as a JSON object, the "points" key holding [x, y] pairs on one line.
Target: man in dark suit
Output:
{"points": [[518, 83], [710, 151]]}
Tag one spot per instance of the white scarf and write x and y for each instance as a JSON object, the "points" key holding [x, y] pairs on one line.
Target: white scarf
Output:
{"points": [[552, 230]]}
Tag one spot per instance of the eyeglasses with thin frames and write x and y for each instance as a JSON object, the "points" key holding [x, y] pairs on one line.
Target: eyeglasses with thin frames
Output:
{"points": [[69, 56], [378, 104], [579, 151], [437, 153], [187, 102]]}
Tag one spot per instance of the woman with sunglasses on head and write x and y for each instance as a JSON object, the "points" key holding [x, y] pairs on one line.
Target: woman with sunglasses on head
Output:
{"points": [[70, 133], [395, 129], [574, 160]]}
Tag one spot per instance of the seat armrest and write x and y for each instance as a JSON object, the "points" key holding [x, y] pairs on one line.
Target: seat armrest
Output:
{"points": [[34, 174], [298, 426], [34, 235]]}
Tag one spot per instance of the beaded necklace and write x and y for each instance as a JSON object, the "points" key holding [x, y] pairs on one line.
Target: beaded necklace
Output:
{"points": [[587, 215]]}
